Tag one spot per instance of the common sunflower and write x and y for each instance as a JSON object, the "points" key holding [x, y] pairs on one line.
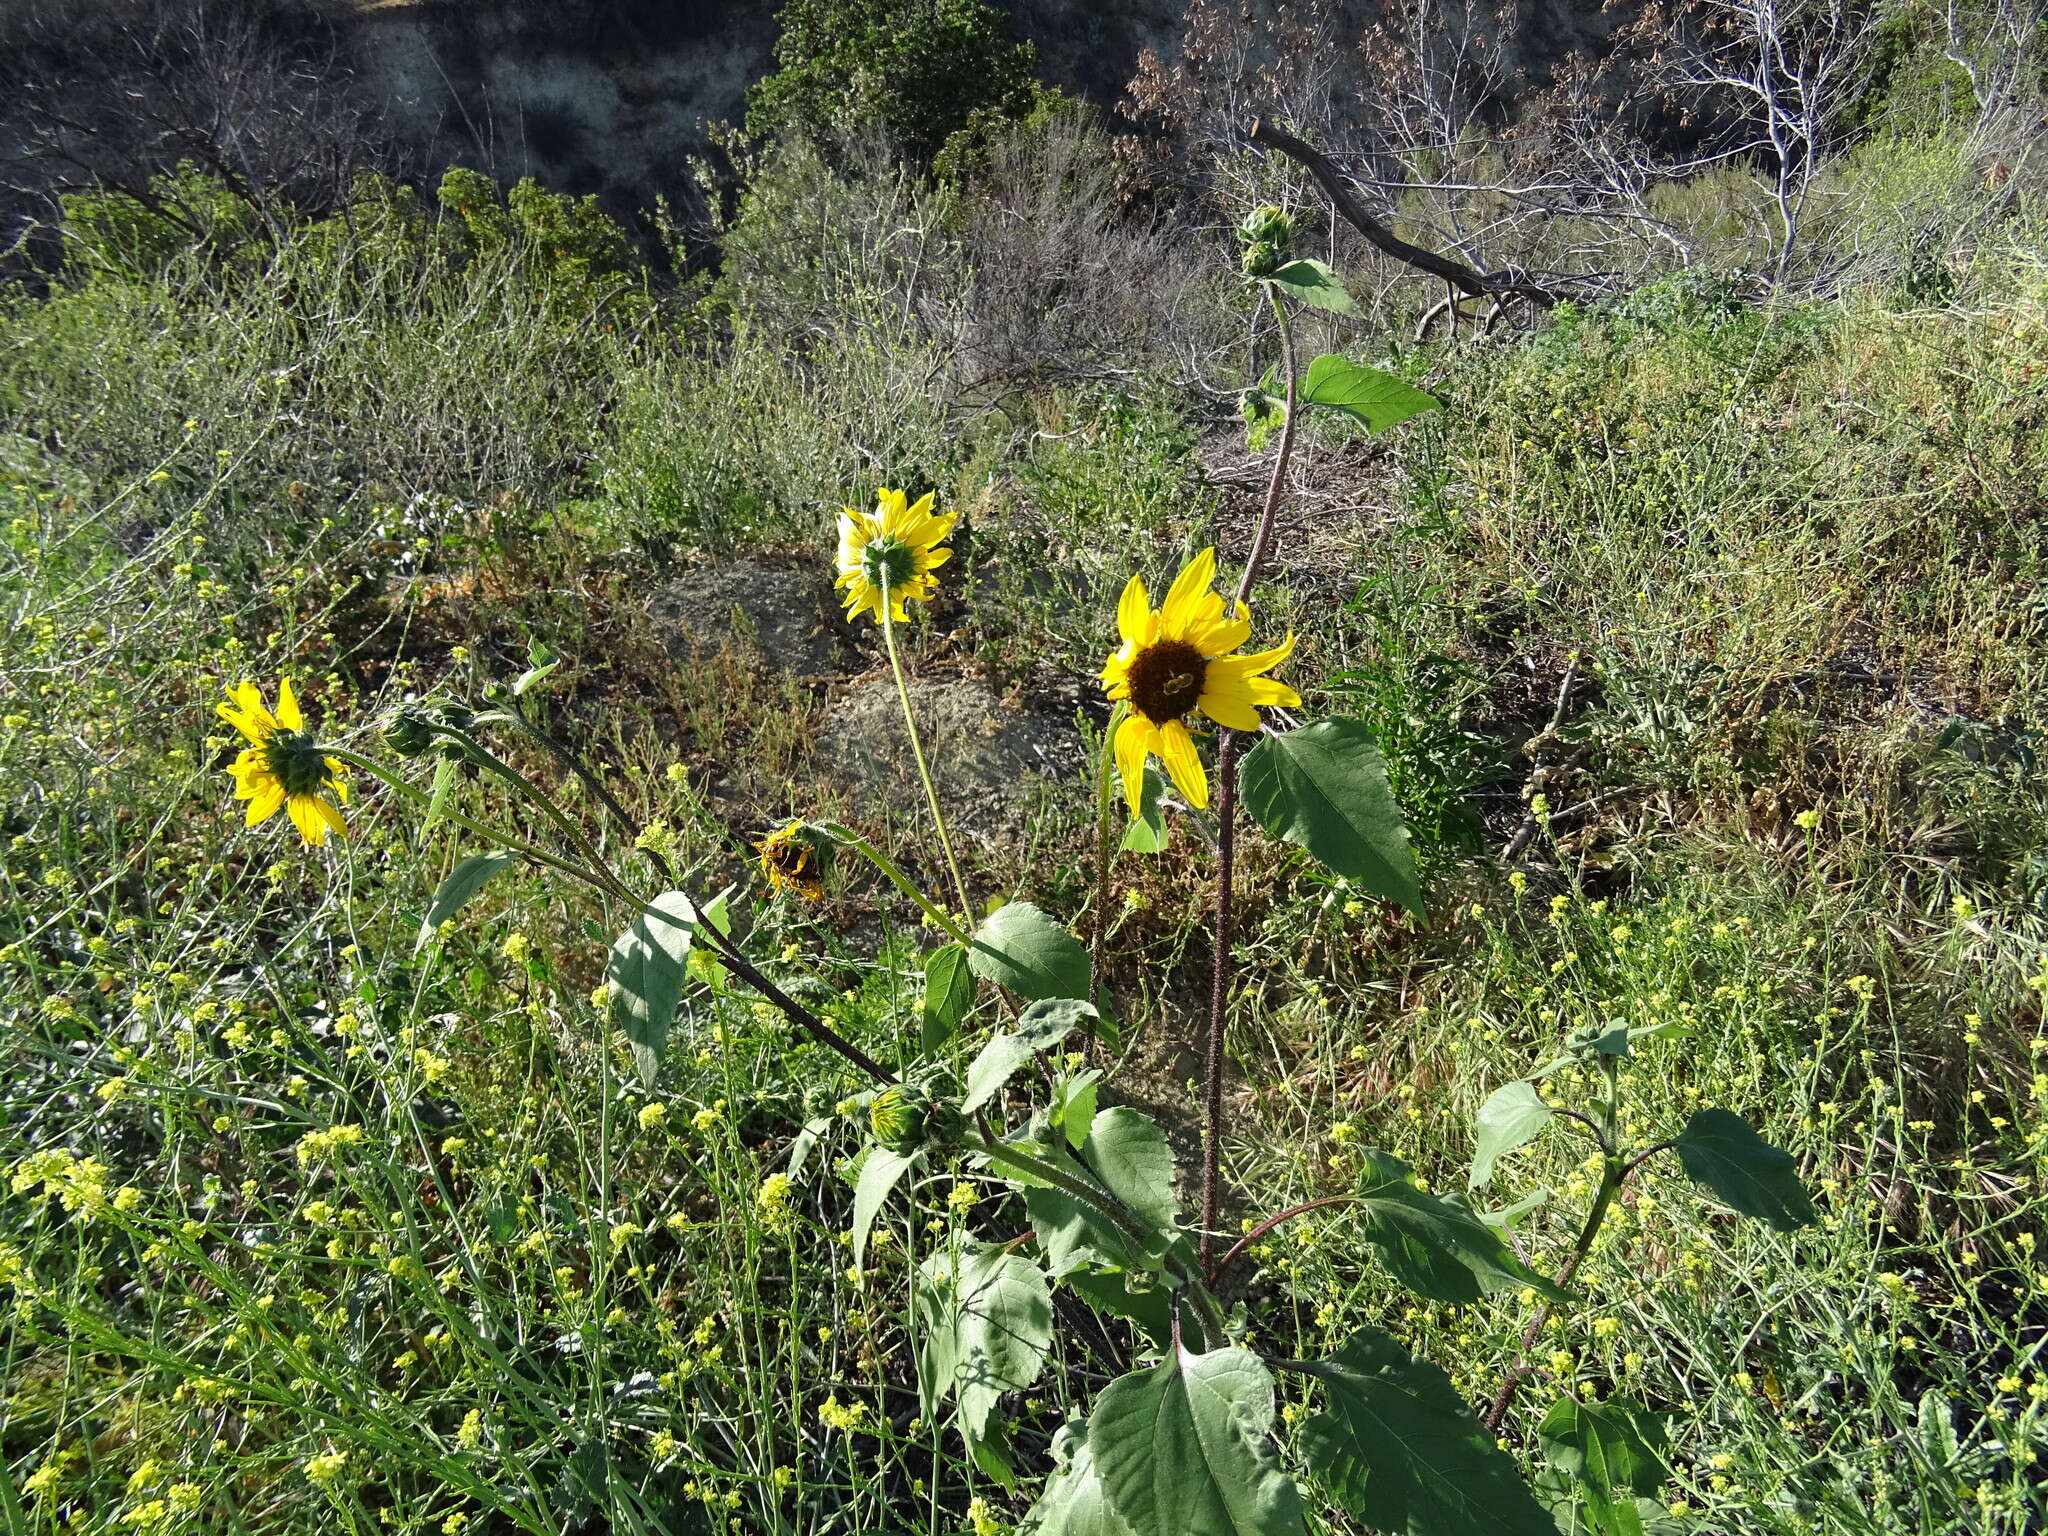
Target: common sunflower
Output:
{"points": [[283, 767], [892, 551], [791, 862], [1177, 659]]}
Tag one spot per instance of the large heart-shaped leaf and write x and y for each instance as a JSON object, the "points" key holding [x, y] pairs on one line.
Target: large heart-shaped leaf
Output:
{"points": [[995, 1310], [1436, 1246], [1377, 399], [1402, 1452], [1312, 282], [1019, 947], [1073, 1503], [1720, 1150], [1183, 1449], [1510, 1117], [463, 882], [1134, 1160], [1324, 788], [645, 973]]}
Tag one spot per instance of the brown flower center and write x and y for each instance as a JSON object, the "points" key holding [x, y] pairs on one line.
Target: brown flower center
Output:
{"points": [[1166, 680]]}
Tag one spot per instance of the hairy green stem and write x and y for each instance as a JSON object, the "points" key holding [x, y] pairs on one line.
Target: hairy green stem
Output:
{"points": [[931, 793]]}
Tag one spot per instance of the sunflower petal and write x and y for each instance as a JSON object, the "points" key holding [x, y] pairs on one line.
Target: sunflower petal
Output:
{"points": [[1177, 750], [1134, 613], [1184, 596], [1135, 738], [264, 803], [304, 811], [1229, 704], [288, 706]]}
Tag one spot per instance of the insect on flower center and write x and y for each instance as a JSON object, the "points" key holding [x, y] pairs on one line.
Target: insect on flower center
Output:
{"points": [[295, 759], [1166, 680], [888, 563]]}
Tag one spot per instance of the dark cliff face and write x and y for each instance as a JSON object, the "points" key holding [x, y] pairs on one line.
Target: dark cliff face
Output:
{"points": [[610, 97]]}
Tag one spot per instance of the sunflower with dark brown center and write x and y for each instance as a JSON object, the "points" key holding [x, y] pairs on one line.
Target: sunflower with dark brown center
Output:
{"points": [[1177, 660]]}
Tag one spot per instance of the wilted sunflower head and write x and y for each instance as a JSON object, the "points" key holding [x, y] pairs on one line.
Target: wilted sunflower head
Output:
{"points": [[1176, 660], [284, 766], [793, 860], [891, 553]]}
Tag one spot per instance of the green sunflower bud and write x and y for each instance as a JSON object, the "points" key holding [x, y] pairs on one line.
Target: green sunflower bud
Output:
{"points": [[1266, 225], [1263, 259], [410, 733], [897, 1117]]}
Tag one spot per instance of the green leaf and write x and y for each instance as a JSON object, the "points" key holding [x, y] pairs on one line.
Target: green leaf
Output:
{"points": [[992, 1067], [1403, 1453], [1510, 1117], [1183, 1449], [1148, 1305], [879, 1171], [948, 994], [1046, 1023], [1019, 947], [1313, 283], [1377, 399], [1147, 830], [1324, 788], [1132, 1157], [463, 882], [1434, 1245], [1615, 1449], [540, 662], [1073, 1503], [1721, 1151], [1077, 1235], [645, 973], [995, 1309], [705, 965], [437, 795], [1072, 1110]]}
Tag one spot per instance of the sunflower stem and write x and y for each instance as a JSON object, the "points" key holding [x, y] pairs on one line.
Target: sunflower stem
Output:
{"points": [[840, 832], [1226, 829], [924, 773]]}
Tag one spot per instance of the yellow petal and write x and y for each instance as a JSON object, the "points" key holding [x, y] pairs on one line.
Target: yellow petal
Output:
{"points": [[1269, 694], [1229, 704], [1134, 738], [1220, 637], [1177, 750], [1184, 596], [288, 706], [1116, 672], [264, 804], [311, 815], [337, 780], [1134, 613]]}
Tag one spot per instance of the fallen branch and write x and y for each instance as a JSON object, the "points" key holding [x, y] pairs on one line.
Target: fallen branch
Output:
{"points": [[1335, 184]]}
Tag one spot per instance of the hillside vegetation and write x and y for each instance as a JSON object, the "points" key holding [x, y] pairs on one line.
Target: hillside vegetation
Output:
{"points": [[1702, 629]]}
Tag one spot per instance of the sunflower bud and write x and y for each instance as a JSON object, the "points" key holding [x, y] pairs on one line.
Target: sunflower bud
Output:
{"points": [[1267, 225], [897, 1117], [410, 734], [1263, 259]]}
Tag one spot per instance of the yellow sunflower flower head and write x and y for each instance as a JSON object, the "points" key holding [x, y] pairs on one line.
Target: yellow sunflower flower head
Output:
{"points": [[1177, 659], [891, 553], [283, 767]]}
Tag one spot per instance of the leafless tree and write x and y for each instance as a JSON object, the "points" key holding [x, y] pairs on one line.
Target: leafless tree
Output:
{"points": [[116, 93], [1776, 82]]}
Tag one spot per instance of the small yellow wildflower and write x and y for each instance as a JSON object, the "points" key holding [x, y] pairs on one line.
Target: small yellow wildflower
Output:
{"points": [[892, 554]]}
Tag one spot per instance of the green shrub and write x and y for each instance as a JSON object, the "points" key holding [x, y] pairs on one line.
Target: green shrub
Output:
{"points": [[916, 70]]}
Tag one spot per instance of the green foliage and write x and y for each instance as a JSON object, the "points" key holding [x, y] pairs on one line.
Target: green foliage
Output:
{"points": [[1324, 788], [1722, 1151], [648, 966], [1182, 1447], [1403, 1452], [917, 71], [1019, 947]]}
